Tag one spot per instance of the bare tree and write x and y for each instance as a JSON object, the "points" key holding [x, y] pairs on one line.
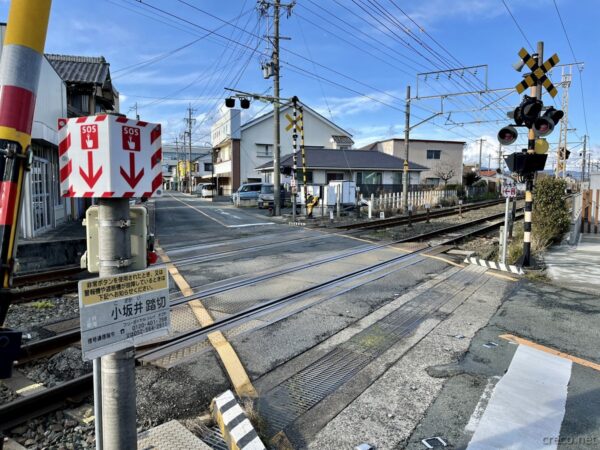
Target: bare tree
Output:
{"points": [[444, 171]]}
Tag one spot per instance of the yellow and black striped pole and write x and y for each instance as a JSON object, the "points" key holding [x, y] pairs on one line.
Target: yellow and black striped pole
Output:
{"points": [[536, 92], [19, 76], [303, 153], [294, 154]]}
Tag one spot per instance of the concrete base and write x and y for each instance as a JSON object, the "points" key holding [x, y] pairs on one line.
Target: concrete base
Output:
{"points": [[170, 436]]}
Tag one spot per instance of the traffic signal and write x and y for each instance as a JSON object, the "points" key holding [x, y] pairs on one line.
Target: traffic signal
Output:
{"points": [[528, 111], [507, 135], [545, 124]]}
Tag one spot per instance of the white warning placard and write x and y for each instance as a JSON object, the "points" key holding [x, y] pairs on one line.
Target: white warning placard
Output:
{"points": [[124, 310]]}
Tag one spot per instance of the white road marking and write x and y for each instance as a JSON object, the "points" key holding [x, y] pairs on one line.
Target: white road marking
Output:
{"points": [[250, 224], [527, 406], [481, 405]]}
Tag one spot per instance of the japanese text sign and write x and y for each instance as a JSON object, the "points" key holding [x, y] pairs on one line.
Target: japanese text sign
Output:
{"points": [[124, 310], [109, 156]]}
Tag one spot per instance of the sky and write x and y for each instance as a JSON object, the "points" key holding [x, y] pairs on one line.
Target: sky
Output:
{"points": [[351, 60]]}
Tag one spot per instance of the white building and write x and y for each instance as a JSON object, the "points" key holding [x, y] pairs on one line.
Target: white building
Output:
{"points": [[373, 172], [43, 208], [176, 156], [240, 149], [442, 158]]}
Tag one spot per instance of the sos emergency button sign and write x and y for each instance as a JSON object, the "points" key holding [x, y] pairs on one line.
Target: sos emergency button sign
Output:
{"points": [[109, 156]]}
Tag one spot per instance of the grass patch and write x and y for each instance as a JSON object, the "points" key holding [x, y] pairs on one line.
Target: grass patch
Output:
{"points": [[43, 304]]}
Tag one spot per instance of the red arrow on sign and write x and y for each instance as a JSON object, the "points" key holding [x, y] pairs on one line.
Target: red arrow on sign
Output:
{"points": [[90, 178], [131, 178]]}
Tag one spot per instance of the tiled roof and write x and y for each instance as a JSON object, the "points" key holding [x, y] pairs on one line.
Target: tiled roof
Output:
{"points": [[488, 173], [318, 158], [80, 69]]}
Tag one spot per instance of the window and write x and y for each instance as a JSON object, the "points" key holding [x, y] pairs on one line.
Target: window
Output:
{"points": [[208, 167], [81, 102], [369, 178], [264, 150], [334, 176], [300, 177], [434, 154], [432, 181], [397, 177]]}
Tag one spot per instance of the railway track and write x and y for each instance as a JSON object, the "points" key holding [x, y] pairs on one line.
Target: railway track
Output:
{"points": [[35, 285], [26, 408], [421, 217]]}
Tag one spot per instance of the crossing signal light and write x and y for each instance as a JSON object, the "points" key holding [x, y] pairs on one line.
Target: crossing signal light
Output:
{"points": [[244, 103], [230, 102], [507, 135], [563, 154], [528, 111], [524, 163], [541, 146], [545, 124]]}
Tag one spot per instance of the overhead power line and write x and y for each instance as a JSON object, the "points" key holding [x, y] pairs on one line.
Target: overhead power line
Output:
{"points": [[578, 67], [518, 26]]}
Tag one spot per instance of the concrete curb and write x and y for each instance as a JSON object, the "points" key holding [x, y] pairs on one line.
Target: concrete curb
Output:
{"points": [[494, 265], [237, 430]]}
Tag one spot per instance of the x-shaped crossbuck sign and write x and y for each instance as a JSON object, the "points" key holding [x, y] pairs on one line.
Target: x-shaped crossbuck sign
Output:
{"points": [[291, 121], [538, 74]]}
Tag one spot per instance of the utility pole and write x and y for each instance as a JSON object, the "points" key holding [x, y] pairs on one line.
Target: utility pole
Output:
{"points": [[500, 158], [135, 108], [276, 108], [583, 160], [564, 123], [405, 177], [185, 161], [489, 161], [177, 166], [190, 122], [119, 430], [481, 141]]}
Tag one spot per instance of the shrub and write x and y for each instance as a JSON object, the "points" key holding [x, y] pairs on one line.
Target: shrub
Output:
{"points": [[550, 212]]}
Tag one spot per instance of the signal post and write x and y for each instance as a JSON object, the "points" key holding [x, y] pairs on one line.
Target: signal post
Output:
{"points": [[529, 114]]}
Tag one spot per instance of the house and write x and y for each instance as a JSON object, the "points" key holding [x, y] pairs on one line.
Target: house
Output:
{"points": [[372, 171], [176, 156], [89, 86], [240, 149], [443, 159]]}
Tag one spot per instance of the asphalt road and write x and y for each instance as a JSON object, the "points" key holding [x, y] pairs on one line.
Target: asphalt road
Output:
{"points": [[438, 380]]}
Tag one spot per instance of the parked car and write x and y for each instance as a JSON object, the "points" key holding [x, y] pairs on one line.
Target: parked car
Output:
{"points": [[204, 190], [266, 198], [247, 191]]}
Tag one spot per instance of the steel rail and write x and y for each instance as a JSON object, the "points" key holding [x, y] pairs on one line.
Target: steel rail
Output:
{"points": [[402, 220], [46, 400], [182, 340]]}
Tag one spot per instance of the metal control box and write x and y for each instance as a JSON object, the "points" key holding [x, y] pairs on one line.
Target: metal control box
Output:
{"points": [[139, 239]]}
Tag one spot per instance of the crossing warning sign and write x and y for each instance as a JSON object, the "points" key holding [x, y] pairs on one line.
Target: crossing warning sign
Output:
{"points": [[538, 74]]}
